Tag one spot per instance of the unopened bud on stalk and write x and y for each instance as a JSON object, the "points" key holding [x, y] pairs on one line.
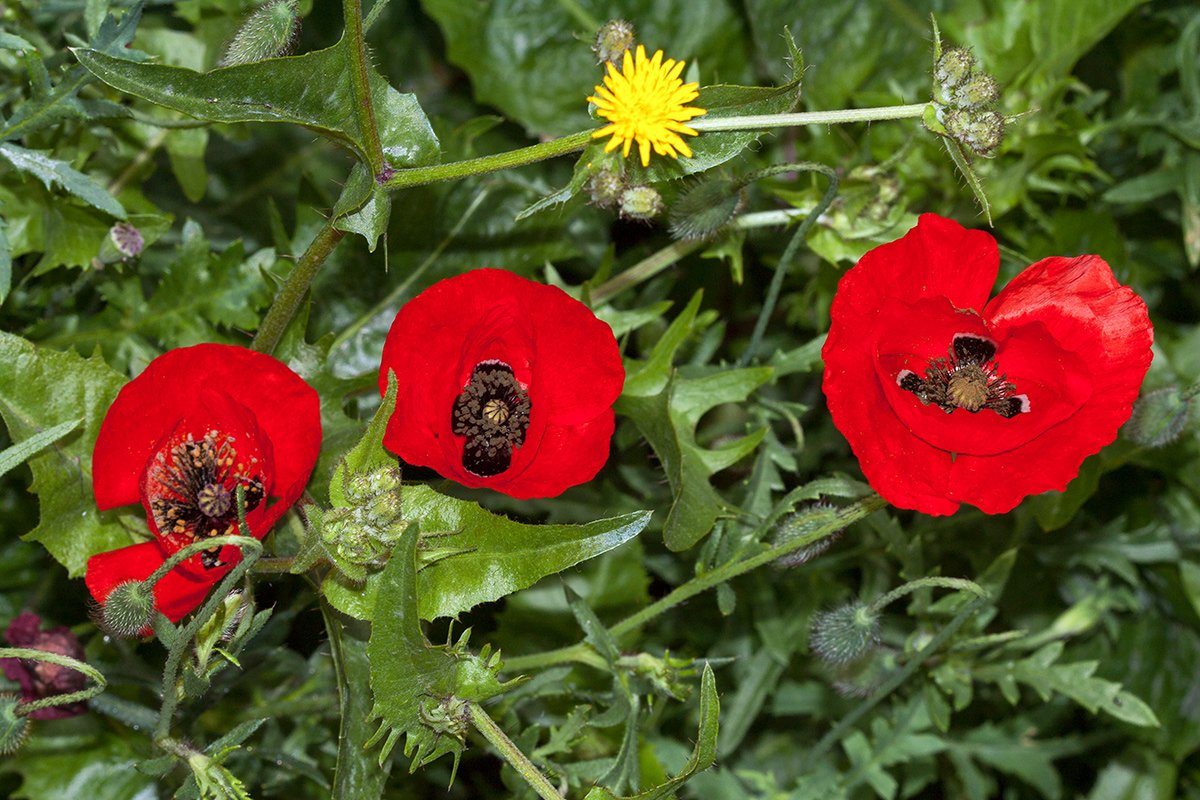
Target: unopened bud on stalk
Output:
{"points": [[844, 634], [981, 91], [270, 31], [612, 40], [981, 133], [954, 67], [127, 239], [1159, 417], [127, 609], [605, 188], [799, 525], [641, 202], [705, 209], [13, 727]]}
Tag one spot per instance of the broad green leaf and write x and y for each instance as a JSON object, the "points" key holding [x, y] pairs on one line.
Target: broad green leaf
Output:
{"points": [[420, 690], [534, 63], [1041, 672], [18, 453], [313, 90], [38, 390], [358, 773], [486, 556], [57, 765], [52, 171], [668, 421]]}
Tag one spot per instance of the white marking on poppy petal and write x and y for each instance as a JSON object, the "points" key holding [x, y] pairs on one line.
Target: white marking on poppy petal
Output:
{"points": [[901, 375], [1024, 398]]}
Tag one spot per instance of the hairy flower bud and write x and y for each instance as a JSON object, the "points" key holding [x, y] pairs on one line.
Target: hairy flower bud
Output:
{"points": [[641, 202], [382, 510], [954, 67], [127, 239], [605, 187], [13, 727], [844, 634], [1159, 417], [612, 40], [705, 209], [799, 525], [981, 91], [127, 609], [981, 133], [270, 31]]}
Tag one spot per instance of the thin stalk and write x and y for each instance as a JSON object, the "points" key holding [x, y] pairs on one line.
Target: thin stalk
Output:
{"points": [[141, 158], [509, 751], [289, 297], [419, 176], [62, 661], [656, 263], [789, 254], [925, 583], [359, 79], [727, 571], [769, 121]]}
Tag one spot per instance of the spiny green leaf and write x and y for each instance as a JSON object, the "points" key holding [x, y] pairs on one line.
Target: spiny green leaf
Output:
{"points": [[43, 388], [52, 170]]}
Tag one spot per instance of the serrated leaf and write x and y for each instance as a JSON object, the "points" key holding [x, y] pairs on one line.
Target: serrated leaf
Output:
{"points": [[38, 390], [492, 555], [409, 676], [283, 90], [52, 171]]}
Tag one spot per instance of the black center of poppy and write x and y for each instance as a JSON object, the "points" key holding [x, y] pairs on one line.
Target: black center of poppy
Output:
{"points": [[192, 488], [966, 378], [492, 412]]}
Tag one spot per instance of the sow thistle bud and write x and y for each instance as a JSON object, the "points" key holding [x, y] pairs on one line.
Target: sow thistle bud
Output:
{"points": [[641, 202], [605, 188], [981, 132], [845, 634], [1159, 417], [13, 727], [269, 32], [981, 91], [612, 40], [706, 208], [954, 67], [127, 609]]}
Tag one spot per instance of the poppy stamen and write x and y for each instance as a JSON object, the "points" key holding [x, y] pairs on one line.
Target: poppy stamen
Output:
{"points": [[966, 378], [492, 412]]}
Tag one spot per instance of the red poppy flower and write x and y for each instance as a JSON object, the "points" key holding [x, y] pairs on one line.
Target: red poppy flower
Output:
{"points": [[41, 679], [945, 400], [503, 383], [180, 438]]}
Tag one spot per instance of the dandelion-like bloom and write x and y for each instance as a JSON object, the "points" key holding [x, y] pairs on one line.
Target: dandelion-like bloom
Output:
{"points": [[646, 103]]}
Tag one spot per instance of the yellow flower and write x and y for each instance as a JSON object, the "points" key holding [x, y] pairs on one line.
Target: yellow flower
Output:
{"points": [[645, 102]]}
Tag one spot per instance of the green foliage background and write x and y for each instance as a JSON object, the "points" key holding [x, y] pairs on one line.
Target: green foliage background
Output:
{"points": [[1081, 677]]}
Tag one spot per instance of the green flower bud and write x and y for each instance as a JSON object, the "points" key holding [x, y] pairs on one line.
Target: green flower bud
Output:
{"points": [[605, 188], [954, 67], [981, 133], [337, 524], [844, 634], [801, 524], [981, 91], [612, 40], [269, 32], [385, 479], [128, 608], [705, 209], [445, 715], [382, 510], [1159, 417], [641, 202], [13, 728]]}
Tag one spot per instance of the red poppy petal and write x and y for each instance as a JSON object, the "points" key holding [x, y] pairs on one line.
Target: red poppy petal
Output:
{"points": [[568, 455], [287, 410], [1055, 382], [175, 595], [906, 471], [937, 258]]}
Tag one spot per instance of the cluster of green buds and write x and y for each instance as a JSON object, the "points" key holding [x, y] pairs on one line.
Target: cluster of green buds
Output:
{"points": [[608, 188], [364, 532], [964, 101]]}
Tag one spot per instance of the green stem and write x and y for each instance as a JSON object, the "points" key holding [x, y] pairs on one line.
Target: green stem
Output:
{"points": [[509, 751], [770, 121], [901, 675], [656, 263], [581, 15], [182, 642], [291, 294], [789, 254], [925, 583], [359, 79], [62, 661], [727, 571], [419, 176]]}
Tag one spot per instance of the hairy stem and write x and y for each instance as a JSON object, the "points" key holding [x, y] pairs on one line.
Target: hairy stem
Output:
{"points": [[418, 176], [769, 121], [491, 731], [62, 661], [289, 297], [925, 583], [359, 79]]}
